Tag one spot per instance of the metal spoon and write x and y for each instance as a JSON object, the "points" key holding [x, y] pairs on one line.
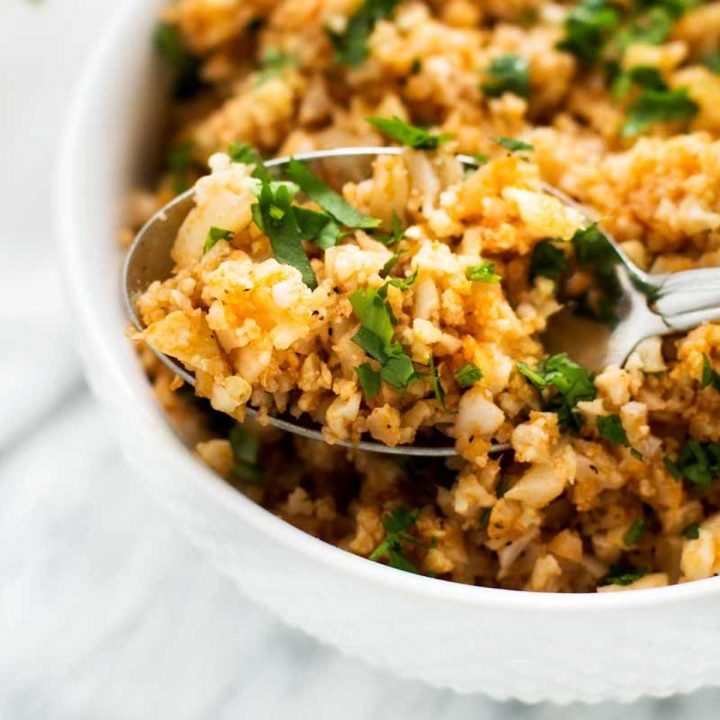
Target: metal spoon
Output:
{"points": [[650, 304]]}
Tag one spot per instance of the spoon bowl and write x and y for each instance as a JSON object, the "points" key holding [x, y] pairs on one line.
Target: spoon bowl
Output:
{"points": [[648, 304]]}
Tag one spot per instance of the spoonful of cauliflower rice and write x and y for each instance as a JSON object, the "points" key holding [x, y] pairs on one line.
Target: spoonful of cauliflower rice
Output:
{"points": [[401, 299]]}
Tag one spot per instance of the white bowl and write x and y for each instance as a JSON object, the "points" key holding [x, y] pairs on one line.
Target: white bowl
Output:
{"points": [[503, 643]]}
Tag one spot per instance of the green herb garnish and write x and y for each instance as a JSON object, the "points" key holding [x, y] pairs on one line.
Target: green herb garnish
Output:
{"points": [[691, 531], [711, 61], [400, 283], [375, 337], [397, 232], [245, 449], [623, 574], [588, 28], [215, 234], [390, 264], [248, 155], [611, 429], [334, 204], [272, 63], [410, 135], [547, 260], [634, 532], [652, 28], [369, 380], [698, 463], [654, 106], [274, 215], [595, 252], [513, 145], [484, 272], [184, 63], [507, 73], [351, 45], [502, 486], [484, 519], [710, 377], [468, 375], [179, 161], [562, 383], [436, 383], [396, 524], [641, 75]]}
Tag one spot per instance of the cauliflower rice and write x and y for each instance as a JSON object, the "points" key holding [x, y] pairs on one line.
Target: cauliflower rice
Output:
{"points": [[416, 303]]}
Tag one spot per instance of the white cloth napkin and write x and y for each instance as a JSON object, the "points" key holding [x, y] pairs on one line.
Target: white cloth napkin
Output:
{"points": [[105, 611]]}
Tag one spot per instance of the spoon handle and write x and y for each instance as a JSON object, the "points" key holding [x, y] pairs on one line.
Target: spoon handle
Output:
{"points": [[689, 297]]}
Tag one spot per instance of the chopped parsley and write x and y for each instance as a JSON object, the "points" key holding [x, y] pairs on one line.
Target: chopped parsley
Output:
{"points": [[484, 272], [711, 61], [562, 383], [410, 135], [484, 520], [513, 144], [642, 75], [397, 232], [588, 28], [179, 161], [698, 463], [369, 380], [437, 383], [654, 106], [691, 531], [390, 264], [351, 45], [392, 548], [375, 337], [507, 73], [624, 574], [334, 204], [400, 283], [468, 375], [248, 155], [502, 486], [245, 449], [634, 532], [547, 260], [184, 63], [599, 31], [215, 234], [652, 28], [275, 216], [272, 63], [611, 429], [710, 377], [595, 252]]}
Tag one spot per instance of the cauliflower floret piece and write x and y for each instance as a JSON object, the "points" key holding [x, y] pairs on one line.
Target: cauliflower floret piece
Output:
{"points": [[533, 440], [613, 384], [350, 267], [230, 394], [222, 199], [545, 481], [701, 557], [248, 300], [187, 337], [477, 415], [544, 215]]}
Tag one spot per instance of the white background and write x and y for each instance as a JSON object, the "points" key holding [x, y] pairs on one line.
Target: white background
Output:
{"points": [[105, 612]]}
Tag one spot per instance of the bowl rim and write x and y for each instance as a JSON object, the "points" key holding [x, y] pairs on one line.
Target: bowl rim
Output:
{"points": [[198, 478]]}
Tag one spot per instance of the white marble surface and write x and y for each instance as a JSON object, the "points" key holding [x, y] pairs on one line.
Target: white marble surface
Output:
{"points": [[105, 611]]}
